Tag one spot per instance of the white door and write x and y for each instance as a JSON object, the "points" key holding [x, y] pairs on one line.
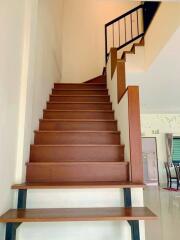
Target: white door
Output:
{"points": [[150, 163]]}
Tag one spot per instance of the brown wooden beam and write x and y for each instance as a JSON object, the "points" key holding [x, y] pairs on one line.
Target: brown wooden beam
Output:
{"points": [[113, 61], [121, 79], [136, 164]]}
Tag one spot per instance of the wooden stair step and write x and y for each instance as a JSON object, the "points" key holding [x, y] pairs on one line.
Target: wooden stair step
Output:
{"points": [[77, 185], [78, 114], [60, 153], [79, 105], [89, 86], [77, 214], [70, 124], [98, 79], [77, 172], [79, 98], [76, 92], [77, 137], [132, 51]]}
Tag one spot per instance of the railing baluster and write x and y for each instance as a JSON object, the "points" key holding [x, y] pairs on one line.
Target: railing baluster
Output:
{"points": [[113, 33], [137, 15], [131, 26], [119, 28], [125, 29]]}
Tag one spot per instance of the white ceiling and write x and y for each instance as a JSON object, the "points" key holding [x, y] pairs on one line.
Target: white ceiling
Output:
{"points": [[160, 85]]}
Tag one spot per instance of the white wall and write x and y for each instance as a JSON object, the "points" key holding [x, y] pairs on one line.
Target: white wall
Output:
{"points": [[83, 36], [162, 123], [11, 44], [30, 45], [45, 63]]}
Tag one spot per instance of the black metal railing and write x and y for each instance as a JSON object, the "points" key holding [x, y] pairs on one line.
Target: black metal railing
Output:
{"points": [[124, 30]]}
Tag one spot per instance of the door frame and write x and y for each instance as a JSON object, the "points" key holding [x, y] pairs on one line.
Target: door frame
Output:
{"points": [[156, 157]]}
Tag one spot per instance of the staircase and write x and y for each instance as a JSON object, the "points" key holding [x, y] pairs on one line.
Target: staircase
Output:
{"points": [[81, 152], [78, 145]]}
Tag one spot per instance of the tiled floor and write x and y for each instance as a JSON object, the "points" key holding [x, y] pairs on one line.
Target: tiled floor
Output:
{"points": [[166, 205]]}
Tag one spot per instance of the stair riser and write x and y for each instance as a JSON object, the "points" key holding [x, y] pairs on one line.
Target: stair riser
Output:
{"points": [[73, 126], [77, 173], [78, 115], [79, 92], [79, 98], [79, 106], [77, 138], [80, 86], [76, 153], [99, 79]]}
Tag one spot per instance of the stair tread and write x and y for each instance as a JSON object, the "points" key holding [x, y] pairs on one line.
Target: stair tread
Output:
{"points": [[79, 120], [79, 102], [57, 110], [77, 214], [79, 89], [77, 185], [74, 131], [88, 84], [79, 95], [77, 145], [78, 163]]}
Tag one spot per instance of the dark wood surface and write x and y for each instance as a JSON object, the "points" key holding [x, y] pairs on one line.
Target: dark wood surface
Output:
{"points": [[77, 214]]}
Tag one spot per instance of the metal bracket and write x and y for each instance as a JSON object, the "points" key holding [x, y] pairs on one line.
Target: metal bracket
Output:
{"points": [[127, 197], [22, 197], [12, 227], [135, 235], [11, 231]]}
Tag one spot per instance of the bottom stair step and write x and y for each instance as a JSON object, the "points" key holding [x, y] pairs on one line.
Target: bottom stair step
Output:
{"points": [[77, 172], [77, 214], [77, 185]]}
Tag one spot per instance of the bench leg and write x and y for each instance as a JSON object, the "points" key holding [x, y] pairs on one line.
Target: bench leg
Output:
{"points": [[11, 231]]}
